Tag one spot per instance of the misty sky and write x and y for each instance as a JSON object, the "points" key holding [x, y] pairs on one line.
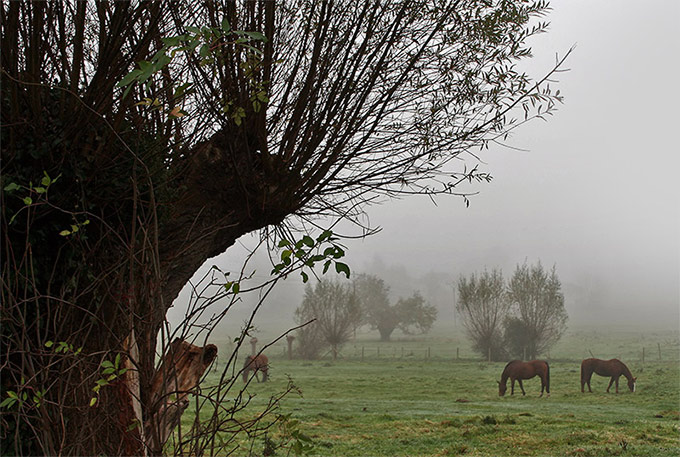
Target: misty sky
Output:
{"points": [[595, 190]]}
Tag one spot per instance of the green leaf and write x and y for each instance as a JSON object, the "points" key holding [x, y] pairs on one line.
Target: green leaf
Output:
{"points": [[225, 25], [130, 77], [326, 265], [117, 361], [12, 394], [40, 190], [11, 187], [236, 288], [65, 233], [109, 370], [284, 243], [326, 234], [93, 400], [7, 403], [107, 364], [342, 268], [308, 240], [305, 276], [49, 344], [28, 201], [133, 425], [256, 36]]}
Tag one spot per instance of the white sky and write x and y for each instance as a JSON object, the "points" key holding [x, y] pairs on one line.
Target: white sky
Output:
{"points": [[596, 193]]}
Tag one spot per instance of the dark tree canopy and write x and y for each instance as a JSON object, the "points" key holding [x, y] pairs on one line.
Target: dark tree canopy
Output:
{"points": [[141, 138]]}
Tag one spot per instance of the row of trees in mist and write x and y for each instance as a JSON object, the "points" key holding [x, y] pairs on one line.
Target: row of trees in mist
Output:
{"points": [[521, 318], [338, 309]]}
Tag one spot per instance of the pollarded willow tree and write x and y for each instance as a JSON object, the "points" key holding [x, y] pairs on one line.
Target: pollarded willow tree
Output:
{"points": [[484, 305], [141, 138], [540, 317]]}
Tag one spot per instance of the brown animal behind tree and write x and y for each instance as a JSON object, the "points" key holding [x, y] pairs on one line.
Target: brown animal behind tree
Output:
{"points": [[258, 363], [613, 368]]}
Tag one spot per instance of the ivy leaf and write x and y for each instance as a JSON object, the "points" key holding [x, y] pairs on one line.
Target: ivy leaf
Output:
{"points": [[11, 187], [342, 268]]}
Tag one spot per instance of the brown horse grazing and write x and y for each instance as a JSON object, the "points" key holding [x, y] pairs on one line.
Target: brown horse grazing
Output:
{"points": [[256, 364], [518, 370], [613, 368]]}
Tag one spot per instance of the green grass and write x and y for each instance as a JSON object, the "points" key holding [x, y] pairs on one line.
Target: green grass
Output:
{"points": [[414, 406]]}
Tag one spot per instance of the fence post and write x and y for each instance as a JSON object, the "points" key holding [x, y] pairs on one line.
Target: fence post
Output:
{"points": [[402, 352], [659, 346], [489, 353], [378, 351], [643, 355], [362, 353], [428, 352], [457, 353]]}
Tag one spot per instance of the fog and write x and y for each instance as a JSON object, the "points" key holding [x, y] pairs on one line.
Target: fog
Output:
{"points": [[593, 191]]}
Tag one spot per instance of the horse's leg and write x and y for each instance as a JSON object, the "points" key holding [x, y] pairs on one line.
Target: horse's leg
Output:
{"points": [[588, 378], [617, 384], [521, 386], [512, 386], [543, 386], [611, 381]]}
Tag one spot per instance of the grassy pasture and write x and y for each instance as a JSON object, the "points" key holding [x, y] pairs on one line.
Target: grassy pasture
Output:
{"points": [[387, 405]]}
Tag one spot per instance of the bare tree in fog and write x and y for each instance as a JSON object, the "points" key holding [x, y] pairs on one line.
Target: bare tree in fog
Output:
{"points": [[539, 318], [483, 304], [160, 132], [336, 309]]}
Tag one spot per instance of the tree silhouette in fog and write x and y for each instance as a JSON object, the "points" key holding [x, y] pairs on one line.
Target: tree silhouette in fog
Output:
{"points": [[141, 138]]}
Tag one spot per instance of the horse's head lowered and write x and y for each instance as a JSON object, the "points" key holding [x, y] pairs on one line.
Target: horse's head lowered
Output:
{"points": [[631, 384], [502, 387]]}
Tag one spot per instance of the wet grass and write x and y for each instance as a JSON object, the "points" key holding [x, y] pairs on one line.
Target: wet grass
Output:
{"points": [[443, 406]]}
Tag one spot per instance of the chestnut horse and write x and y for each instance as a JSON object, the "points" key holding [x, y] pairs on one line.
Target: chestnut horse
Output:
{"points": [[613, 368], [256, 363], [518, 370]]}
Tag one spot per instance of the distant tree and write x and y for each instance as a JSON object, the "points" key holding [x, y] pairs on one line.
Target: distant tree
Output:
{"points": [[310, 342], [537, 300], [483, 303], [408, 314], [336, 310], [414, 314]]}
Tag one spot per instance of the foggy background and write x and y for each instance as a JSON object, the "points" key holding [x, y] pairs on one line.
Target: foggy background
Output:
{"points": [[594, 191]]}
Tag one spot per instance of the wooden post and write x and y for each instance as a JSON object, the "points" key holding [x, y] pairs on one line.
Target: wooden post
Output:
{"points": [[378, 351], [659, 346], [457, 353], [643, 355], [428, 352], [289, 339], [489, 353], [402, 352], [362, 353], [253, 346]]}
